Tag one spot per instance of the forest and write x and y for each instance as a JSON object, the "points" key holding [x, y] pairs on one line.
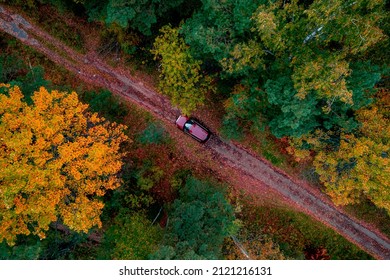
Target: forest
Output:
{"points": [[86, 175]]}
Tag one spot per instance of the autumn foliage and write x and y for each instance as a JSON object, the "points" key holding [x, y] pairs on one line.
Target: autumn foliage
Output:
{"points": [[360, 167], [57, 159], [181, 75]]}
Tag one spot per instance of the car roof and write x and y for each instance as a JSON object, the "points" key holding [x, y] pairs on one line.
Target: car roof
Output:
{"points": [[199, 131]]}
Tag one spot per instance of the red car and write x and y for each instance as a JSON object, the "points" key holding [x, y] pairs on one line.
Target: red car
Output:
{"points": [[193, 128]]}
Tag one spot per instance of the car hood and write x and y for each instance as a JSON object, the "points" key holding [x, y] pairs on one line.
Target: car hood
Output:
{"points": [[181, 121]]}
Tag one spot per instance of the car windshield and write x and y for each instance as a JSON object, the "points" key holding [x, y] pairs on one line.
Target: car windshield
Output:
{"points": [[188, 126]]}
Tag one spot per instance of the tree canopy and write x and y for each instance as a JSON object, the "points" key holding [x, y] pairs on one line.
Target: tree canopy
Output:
{"points": [[132, 236], [57, 159], [199, 221], [359, 167], [181, 76]]}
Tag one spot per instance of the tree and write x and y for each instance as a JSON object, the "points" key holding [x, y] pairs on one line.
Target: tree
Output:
{"points": [[318, 41], [217, 26], [359, 167], [181, 76], [141, 15], [244, 108], [57, 159], [10, 67], [123, 11], [339, 116], [292, 116], [131, 237], [315, 54], [104, 103], [14, 71], [28, 4], [287, 114], [199, 221], [29, 251]]}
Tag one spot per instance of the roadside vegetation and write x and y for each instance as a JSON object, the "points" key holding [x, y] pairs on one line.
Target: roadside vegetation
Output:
{"points": [[329, 124]]}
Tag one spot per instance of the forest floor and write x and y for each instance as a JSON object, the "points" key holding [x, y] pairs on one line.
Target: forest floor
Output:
{"points": [[232, 162]]}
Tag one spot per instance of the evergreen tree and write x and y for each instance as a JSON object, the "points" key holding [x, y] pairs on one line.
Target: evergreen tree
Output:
{"points": [[199, 221]]}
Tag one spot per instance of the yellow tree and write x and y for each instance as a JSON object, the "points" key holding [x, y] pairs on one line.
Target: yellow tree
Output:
{"points": [[181, 75], [360, 167], [56, 160]]}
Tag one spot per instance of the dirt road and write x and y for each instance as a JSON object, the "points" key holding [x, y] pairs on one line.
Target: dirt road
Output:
{"points": [[251, 168]]}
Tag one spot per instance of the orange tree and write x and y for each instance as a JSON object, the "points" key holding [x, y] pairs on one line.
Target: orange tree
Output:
{"points": [[57, 160]]}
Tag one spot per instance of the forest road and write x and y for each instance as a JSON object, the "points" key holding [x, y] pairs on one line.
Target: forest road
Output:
{"points": [[91, 69]]}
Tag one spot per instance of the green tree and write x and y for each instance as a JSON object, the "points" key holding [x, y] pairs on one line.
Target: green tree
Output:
{"points": [[199, 221], [26, 251], [319, 85], [179, 252], [317, 42], [340, 117], [244, 108], [104, 103], [181, 76], [139, 15], [217, 26], [131, 237], [15, 72], [316, 51], [292, 116], [11, 67], [361, 82]]}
